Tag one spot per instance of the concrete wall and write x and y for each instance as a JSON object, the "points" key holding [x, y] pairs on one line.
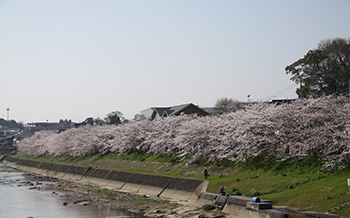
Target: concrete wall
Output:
{"points": [[177, 189], [191, 191], [237, 205]]}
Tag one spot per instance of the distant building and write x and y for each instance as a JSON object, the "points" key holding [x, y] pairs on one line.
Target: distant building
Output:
{"points": [[2, 131], [8, 138], [31, 128], [209, 110], [159, 112], [281, 101]]}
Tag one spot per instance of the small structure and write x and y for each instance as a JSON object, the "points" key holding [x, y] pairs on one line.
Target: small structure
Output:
{"points": [[154, 113], [220, 201]]}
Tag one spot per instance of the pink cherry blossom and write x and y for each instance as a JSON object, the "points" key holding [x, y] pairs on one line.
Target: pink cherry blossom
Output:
{"points": [[318, 127]]}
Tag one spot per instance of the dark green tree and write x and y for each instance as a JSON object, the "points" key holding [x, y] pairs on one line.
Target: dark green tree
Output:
{"points": [[65, 122], [99, 121], [11, 124], [226, 105], [323, 71], [115, 118], [138, 117], [89, 121]]}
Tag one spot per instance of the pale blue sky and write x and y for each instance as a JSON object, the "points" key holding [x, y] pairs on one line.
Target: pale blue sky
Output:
{"points": [[72, 59]]}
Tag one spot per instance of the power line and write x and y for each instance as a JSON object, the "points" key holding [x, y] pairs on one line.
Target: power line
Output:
{"points": [[280, 92]]}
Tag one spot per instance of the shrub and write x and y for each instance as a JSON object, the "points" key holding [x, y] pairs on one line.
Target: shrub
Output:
{"points": [[208, 207]]}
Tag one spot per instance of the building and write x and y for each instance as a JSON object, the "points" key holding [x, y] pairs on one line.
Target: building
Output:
{"points": [[159, 112], [31, 128], [281, 101], [2, 131]]}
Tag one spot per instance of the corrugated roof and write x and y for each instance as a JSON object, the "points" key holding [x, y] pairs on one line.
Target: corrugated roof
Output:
{"points": [[173, 110], [177, 108], [147, 112], [160, 110]]}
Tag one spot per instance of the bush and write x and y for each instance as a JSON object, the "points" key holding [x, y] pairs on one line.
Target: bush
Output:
{"points": [[235, 191], [208, 207]]}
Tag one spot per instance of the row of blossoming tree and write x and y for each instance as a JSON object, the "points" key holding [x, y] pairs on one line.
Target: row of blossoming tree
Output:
{"points": [[308, 127]]}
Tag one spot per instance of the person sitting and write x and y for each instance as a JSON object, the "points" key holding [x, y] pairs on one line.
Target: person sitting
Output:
{"points": [[222, 190]]}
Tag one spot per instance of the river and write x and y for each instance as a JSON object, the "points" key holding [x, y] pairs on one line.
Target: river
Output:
{"points": [[24, 196]]}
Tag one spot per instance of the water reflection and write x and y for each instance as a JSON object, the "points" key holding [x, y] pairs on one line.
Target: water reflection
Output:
{"points": [[21, 196]]}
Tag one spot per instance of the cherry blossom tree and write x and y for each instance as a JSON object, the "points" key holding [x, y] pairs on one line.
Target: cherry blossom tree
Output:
{"points": [[307, 127]]}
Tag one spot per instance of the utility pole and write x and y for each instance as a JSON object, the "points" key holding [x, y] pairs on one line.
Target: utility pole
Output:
{"points": [[8, 113], [301, 92]]}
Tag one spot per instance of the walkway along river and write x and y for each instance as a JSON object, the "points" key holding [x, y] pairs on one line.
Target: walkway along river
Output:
{"points": [[23, 195]]}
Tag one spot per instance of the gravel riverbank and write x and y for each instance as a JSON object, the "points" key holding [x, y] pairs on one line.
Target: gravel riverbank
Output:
{"points": [[76, 193], [85, 194]]}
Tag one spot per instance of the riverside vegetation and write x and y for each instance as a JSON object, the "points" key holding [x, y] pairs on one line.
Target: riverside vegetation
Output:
{"points": [[295, 154]]}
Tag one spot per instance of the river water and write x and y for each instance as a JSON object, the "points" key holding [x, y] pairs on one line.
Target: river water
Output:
{"points": [[23, 196]]}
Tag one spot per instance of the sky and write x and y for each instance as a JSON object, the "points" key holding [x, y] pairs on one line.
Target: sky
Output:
{"points": [[74, 59]]}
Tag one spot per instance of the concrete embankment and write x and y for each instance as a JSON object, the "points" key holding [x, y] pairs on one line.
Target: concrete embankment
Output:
{"points": [[181, 190], [188, 191], [163, 187]]}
